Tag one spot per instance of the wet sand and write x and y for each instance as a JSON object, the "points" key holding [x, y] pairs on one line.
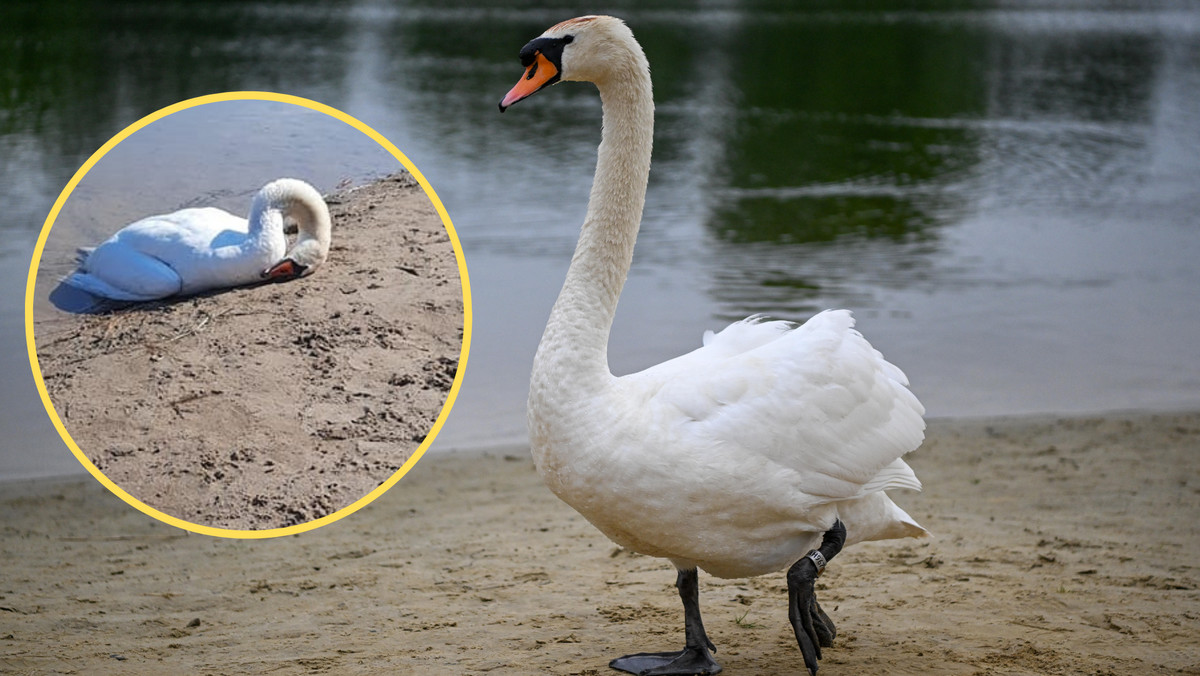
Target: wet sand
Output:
{"points": [[274, 405], [1062, 546]]}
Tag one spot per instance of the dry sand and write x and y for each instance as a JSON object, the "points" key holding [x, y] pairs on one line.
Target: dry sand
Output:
{"points": [[272, 405], [1063, 546]]}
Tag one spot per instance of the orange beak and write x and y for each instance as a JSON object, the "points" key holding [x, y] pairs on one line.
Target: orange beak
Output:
{"points": [[539, 74], [284, 269]]}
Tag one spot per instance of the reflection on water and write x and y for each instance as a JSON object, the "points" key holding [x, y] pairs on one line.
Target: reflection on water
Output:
{"points": [[1006, 197]]}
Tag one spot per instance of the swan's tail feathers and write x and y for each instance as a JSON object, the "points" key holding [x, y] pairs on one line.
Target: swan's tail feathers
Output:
{"points": [[904, 526], [876, 517], [82, 253], [98, 287]]}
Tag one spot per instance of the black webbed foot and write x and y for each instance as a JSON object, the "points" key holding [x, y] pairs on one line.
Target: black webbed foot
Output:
{"points": [[694, 660], [812, 626], [826, 632]]}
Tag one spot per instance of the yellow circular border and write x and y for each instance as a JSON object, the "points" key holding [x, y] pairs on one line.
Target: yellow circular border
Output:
{"points": [[32, 347]]}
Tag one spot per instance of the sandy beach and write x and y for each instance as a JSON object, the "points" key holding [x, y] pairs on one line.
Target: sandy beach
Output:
{"points": [[273, 405], [1062, 546]]}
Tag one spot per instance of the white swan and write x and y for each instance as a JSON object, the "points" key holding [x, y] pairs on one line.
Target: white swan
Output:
{"points": [[194, 250], [767, 448]]}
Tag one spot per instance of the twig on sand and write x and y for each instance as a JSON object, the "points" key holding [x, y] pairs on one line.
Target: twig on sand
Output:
{"points": [[193, 397], [205, 318]]}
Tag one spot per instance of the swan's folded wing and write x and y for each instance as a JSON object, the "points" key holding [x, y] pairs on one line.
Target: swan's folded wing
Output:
{"points": [[183, 234], [817, 401], [119, 272]]}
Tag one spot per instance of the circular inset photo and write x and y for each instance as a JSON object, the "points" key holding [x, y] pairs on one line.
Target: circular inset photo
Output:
{"points": [[248, 314]]}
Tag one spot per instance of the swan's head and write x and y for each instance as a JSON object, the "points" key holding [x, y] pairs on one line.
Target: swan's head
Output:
{"points": [[302, 260], [302, 205], [583, 49]]}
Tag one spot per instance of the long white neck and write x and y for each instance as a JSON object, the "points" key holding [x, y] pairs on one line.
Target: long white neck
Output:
{"points": [[264, 221], [315, 229], [299, 201], [574, 346]]}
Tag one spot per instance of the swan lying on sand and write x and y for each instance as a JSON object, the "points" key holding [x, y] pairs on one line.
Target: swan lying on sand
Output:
{"points": [[770, 447], [194, 250]]}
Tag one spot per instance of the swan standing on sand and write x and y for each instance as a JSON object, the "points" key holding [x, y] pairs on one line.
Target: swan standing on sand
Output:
{"points": [[195, 250], [770, 447]]}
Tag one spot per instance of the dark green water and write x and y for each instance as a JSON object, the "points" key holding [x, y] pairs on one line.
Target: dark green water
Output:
{"points": [[1004, 193]]}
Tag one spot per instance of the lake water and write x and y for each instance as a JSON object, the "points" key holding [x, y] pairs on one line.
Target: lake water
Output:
{"points": [[1008, 198]]}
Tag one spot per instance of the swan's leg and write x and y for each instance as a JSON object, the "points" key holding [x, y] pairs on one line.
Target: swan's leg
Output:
{"points": [[812, 626], [696, 657]]}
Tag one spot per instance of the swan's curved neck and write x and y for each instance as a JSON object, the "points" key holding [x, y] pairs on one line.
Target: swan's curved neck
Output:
{"points": [[313, 223], [260, 220], [575, 343], [289, 199]]}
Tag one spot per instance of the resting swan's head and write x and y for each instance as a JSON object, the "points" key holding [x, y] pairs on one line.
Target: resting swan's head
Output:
{"points": [[301, 204], [583, 49]]}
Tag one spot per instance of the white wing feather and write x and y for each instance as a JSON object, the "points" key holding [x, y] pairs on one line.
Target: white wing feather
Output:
{"points": [[816, 400]]}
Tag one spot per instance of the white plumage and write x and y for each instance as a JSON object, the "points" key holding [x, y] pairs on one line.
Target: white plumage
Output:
{"points": [[194, 250], [736, 457]]}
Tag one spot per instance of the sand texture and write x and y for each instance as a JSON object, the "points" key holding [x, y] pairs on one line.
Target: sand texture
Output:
{"points": [[1062, 546], [272, 405]]}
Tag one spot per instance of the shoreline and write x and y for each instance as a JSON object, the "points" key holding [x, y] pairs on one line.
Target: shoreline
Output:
{"points": [[1061, 545], [521, 448]]}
